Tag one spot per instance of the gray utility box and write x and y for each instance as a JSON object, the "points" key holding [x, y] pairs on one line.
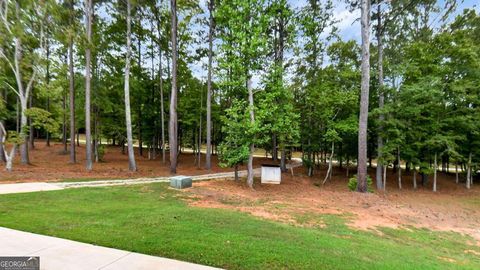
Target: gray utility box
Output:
{"points": [[180, 182], [271, 174]]}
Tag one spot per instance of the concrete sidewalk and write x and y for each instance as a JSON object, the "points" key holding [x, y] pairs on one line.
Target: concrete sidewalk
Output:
{"points": [[56, 253], [27, 187]]}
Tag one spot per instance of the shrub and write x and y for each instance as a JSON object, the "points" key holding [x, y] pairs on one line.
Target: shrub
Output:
{"points": [[101, 151], [352, 183]]}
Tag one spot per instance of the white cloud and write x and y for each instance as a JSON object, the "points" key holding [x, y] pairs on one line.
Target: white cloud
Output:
{"points": [[347, 22]]}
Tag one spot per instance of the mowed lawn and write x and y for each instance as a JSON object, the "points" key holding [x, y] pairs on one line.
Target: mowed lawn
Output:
{"points": [[153, 219]]}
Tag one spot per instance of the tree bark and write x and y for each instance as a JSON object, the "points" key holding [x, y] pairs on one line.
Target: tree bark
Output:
{"points": [[274, 148], [23, 97], [330, 164], [132, 166], [140, 135], [200, 132], [3, 156], [348, 166], [17, 109], [23, 92], [435, 173], [47, 78], [469, 170], [162, 115], [64, 123], [160, 75], [8, 156], [31, 135], [96, 156], [456, 172], [283, 157], [414, 178], [385, 166], [380, 96], [88, 60], [208, 158], [399, 170], [363, 118], [252, 145], [73, 154], [173, 125]]}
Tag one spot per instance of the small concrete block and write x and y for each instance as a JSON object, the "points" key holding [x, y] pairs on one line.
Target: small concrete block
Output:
{"points": [[180, 182]]}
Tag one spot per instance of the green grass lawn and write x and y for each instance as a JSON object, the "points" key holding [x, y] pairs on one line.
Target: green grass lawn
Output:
{"points": [[153, 219]]}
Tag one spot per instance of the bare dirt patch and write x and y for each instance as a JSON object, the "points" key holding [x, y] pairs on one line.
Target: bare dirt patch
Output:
{"points": [[452, 208]]}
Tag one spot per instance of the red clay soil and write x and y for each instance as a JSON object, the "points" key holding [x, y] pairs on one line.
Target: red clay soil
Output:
{"points": [[451, 208], [50, 164]]}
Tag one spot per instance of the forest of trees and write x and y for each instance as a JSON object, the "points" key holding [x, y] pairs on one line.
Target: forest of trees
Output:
{"points": [[241, 75]]}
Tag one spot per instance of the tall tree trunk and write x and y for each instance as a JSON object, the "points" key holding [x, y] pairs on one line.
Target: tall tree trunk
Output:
{"points": [[330, 165], [280, 53], [95, 133], [435, 173], [380, 95], [140, 136], [153, 145], [140, 117], [160, 75], [469, 170], [88, 61], [208, 158], [173, 125], [64, 123], [71, 86], [399, 169], [24, 96], [17, 110], [414, 178], [252, 120], [456, 172], [363, 118], [348, 166], [47, 77], [31, 135], [162, 113], [385, 166], [200, 132], [64, 115], [3, 156], [274, 148], [8, 156], [132, 166], [23, 92], [283, 157]]}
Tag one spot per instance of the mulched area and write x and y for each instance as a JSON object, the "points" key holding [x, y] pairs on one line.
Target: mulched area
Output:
{"points": [[51, 164]]}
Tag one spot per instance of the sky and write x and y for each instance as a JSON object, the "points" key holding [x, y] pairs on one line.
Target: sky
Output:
{"points": [[348, 23]]}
